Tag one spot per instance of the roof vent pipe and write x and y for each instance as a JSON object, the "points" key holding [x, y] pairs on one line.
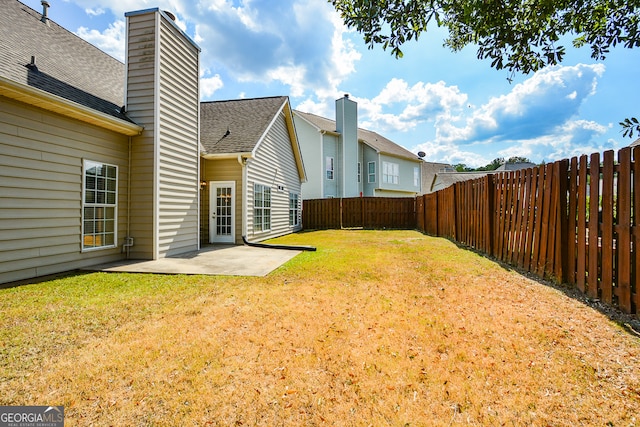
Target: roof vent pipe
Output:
{"points": [[45, 7]]}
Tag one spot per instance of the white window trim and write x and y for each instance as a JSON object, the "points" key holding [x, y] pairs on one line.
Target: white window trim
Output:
{"points": [[263, 208], [329, 166], [295, 210], [85, 165], [416, 176], [390, 172], [370, 174]]}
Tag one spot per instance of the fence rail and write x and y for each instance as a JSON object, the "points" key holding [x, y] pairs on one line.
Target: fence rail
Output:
{"points": [[575, 221]]}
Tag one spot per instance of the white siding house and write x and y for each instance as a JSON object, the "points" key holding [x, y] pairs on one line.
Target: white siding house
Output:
{"points": [[343, 160]]}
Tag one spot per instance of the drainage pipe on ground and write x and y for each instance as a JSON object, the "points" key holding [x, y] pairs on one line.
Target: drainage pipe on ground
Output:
{"points": [[271, 246]]}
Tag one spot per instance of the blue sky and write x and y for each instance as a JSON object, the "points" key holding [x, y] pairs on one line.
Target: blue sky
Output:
{"points": [[452, 106]]}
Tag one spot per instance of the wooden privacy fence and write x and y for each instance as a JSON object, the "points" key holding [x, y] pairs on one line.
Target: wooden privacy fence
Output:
{"points": [[574, 221], [366, 212]]}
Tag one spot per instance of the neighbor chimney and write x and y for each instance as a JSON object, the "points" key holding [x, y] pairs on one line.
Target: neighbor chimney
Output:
{"points": [[45, 7]]}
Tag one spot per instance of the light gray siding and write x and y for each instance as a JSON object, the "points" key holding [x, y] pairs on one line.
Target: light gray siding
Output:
{"points": [[405, 177], [41, 158], [274, 166], [310, 140], [331, 147]]}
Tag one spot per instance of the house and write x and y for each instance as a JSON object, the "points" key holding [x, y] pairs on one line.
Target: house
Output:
{"points": [[343, 160], [429, 172], [443, 180], [251, 168], [515, 166], [101, 161]]}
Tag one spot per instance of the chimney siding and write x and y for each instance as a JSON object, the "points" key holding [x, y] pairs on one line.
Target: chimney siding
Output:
{"points": [[162, 94]]}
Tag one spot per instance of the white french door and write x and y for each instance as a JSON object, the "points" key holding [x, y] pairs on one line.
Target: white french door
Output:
{"points": [[222, 206]]}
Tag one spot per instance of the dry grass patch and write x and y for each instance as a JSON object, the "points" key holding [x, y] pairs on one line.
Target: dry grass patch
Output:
{"points": [[375, 328]]}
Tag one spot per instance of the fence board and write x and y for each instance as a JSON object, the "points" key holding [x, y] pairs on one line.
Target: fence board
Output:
{"points": [[581, 238], [594, 209], [606, 283], [623, 244], [572, 221], [636, 229]]}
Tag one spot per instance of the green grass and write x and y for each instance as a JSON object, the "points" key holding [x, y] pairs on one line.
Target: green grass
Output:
{"points": [[374, 328]]}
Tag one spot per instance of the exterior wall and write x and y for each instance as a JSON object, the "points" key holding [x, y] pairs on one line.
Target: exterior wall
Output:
{"points": [[405, 177], [331, 147], [141, 82], [162, 95], [178, 148], [41, 163], [273, 165], [310, 140], [221, 170], [369, 155]]}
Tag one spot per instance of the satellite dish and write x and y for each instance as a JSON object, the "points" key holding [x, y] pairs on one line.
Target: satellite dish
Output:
{"points": [[421, 154]]}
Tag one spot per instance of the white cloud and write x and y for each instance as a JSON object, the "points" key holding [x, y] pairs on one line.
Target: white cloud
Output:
{"points": [[400, 107], [94, 12], [209, 86], [537, 119], [111, 40]]}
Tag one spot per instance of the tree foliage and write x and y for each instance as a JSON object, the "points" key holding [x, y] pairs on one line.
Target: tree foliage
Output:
{"points": [[495, 164], [521, 36]]}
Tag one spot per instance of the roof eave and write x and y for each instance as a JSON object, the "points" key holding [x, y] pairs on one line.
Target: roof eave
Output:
{"points": [[226, 156], [47, 101]]}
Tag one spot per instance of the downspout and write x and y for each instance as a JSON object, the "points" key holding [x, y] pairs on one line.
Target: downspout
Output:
{"points": [[243, 164], [128, 240]]}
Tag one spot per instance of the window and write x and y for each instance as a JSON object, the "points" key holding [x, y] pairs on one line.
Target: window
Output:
{"points": [[416, 177], [372, 171], [329, 167], [359, 172], [390, 172], [100, 185], [294, 209], [261, 208]]}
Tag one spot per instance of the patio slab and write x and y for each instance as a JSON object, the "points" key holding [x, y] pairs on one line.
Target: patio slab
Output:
{"points": [[224, 260]]}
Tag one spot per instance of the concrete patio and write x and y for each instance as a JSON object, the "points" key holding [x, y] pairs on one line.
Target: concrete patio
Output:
{"points": [[226, 260]]}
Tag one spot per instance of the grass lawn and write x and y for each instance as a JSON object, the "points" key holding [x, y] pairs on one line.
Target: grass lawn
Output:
{"points": [[375, 328]]}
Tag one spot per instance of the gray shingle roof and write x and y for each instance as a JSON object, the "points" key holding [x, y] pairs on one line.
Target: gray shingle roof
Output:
{"points": [[372, 139], [245, 119], [66, 65]]}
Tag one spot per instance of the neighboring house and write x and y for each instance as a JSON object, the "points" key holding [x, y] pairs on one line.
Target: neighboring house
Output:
{"points": [[429, 173], [515, 166], [443, 180], [343, 160], [447, 178], [635, 143], [251, 168]]}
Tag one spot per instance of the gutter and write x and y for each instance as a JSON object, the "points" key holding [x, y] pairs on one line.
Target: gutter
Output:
{"points": [[271, 246], [57, 104]]}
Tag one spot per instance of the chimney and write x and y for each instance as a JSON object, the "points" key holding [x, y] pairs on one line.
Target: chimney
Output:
{"points": [[347, 126], [45, 16]]}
